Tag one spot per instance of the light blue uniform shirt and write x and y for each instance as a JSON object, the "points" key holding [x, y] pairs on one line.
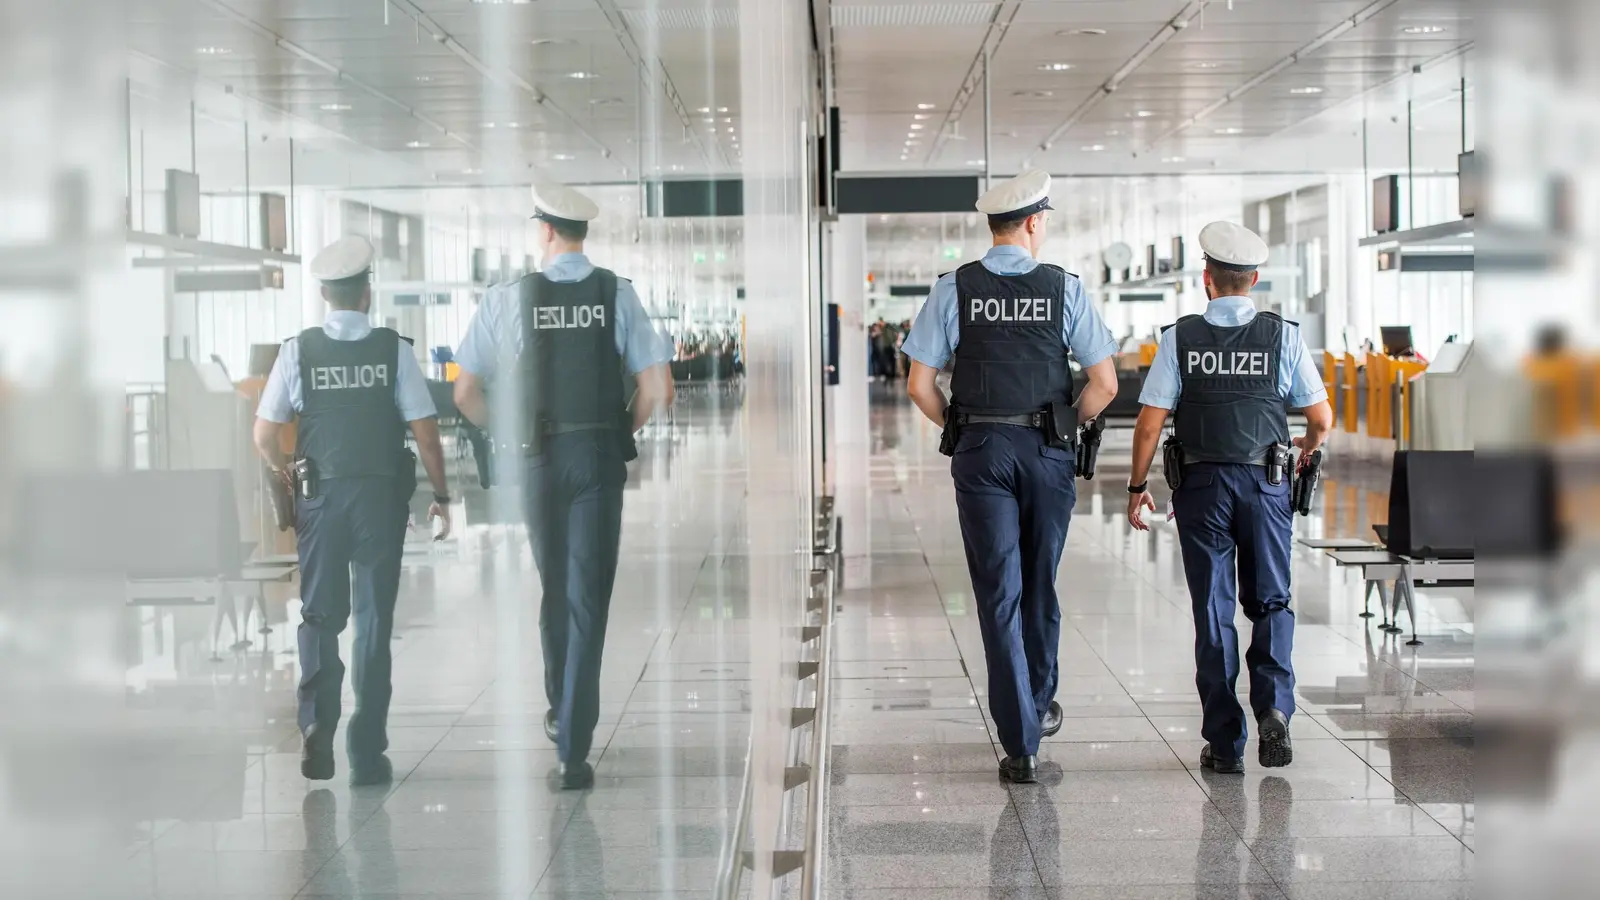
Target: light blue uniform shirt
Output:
{"points": [[1298, 378], [496, 327], [937, 329], [282, 398]]}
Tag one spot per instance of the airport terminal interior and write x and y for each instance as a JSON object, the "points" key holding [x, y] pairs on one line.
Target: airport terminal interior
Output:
{"points": [[794, 699]]}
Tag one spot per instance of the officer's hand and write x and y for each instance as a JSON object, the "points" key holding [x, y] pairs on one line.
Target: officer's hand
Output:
{"points": [[1305, 447], [1137, 504], [442, 514]]}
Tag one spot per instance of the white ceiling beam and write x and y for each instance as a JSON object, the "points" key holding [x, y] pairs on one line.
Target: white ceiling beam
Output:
{"points": [[1167, 32], [1344, 27], [294, 49], [993, 37]]}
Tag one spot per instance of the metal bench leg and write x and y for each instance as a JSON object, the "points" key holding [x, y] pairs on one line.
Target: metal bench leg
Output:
{"points": [[1383, 604], [261, 608], [1366, 602], [1411, 606]]}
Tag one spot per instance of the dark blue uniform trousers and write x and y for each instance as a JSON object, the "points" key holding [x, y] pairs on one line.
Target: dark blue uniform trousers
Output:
{"points": [[353, 532], [573, 502], [1015, 496], [1235, 529]]}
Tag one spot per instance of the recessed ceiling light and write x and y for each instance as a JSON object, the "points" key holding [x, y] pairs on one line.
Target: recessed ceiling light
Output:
{"points": [[1055, 67], [1113, 132], [730, 130], [562, 157], [1424, 29], [334, 107], [503, 2], [424, 78], [1093, 148], [605, 101], [703, 109], [709, 120], [1092, 32], [418, 145], [920, 116], [1305, 90], [727, 118], [1173, 159], [925, 106], [1229, 131], [547, 42], [1143, 113], [582, 76], [1040, 95], [974, 162], [472, 171], [722, 109], [213, 51], [1207, 65], [916, 126]]}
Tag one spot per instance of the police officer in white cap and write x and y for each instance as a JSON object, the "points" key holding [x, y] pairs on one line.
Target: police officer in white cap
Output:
{"points": [[1229, 377], [355, 390], [1010, 323], [559, 346]]}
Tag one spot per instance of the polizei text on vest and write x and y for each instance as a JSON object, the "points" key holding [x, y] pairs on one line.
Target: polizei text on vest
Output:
{"points": [[1013, 309], [1227, 362], [547, 317]]}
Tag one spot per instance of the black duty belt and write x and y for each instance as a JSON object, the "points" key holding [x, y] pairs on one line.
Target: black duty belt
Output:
{"points": [[578, 426], [1027, 420]]}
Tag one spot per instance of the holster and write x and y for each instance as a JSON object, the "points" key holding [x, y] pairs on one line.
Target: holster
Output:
{"points": [[952, 431], [306, 482], [1172, 463], [1305, 484], [1089, 446], [1061, 425], [281, 488], [406, 483]]}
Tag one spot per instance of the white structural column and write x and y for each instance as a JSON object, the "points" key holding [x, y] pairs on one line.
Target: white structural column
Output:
{"points": [[848, 399]]}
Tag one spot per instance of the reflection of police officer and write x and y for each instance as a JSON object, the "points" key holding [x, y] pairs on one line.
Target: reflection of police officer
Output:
{"points": [[1232, 374], [355, 388], [571, 329], [1010, 321]]}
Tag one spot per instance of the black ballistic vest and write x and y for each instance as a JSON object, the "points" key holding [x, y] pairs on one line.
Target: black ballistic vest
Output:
{"points": [[349, 423], [1011, 359], [571, 374], [1229, 408]]}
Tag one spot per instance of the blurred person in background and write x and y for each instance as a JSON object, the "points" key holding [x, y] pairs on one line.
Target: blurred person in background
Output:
{"points": [[355, 389], [573, 330], [1231, 375]]}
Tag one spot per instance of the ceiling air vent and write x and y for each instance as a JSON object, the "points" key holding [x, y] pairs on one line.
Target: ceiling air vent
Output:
{"points": [[680, 19], [903, 15]]}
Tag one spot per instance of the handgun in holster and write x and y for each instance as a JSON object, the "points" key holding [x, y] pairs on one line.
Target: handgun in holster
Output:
{"points": [[407, 483], [1089, 446], [952, 431], [281, 488], [1305, 484], [1172, 462]]}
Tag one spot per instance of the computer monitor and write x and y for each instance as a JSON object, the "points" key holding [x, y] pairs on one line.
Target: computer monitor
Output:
{"points": [[1396, 339], [262, 358]]}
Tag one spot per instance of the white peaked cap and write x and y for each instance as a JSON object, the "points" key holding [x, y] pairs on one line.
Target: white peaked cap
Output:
{"points": [[345, 258], [1232, 245], [1019, 197], [552, 200]]}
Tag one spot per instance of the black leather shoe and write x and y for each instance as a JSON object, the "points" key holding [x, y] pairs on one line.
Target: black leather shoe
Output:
{"points": [[1219, 764], [550, 729], [316, 755], [1051, 723], [1020, 770], [577, 776], [1274, 748], [372, 771]]}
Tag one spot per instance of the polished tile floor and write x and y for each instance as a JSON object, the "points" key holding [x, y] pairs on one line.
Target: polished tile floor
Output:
{"points": [[209, 801], [1379, 802]]}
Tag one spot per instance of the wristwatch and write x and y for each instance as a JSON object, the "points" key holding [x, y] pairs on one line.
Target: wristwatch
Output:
{"points": [[1139, 488], [442, 499]]}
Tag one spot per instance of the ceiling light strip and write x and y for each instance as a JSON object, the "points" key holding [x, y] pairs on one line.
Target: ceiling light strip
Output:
{"points": [[290, 47], [1005, 13], [1168, 31], [653, 71], [1344, 27], [444, 39]]}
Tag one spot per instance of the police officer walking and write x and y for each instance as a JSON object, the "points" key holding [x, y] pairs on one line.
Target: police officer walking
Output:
{"points": [[1231, 375], [1010, 321], [355, 390], [559, 340]]}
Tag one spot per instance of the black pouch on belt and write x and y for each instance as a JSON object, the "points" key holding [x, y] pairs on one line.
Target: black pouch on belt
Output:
{"points": [[1278, 459], [1172, 463], [407, 483], [1061, 425]]}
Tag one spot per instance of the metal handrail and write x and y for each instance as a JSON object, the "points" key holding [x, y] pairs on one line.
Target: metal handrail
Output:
{"points": [[730, 865]]}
